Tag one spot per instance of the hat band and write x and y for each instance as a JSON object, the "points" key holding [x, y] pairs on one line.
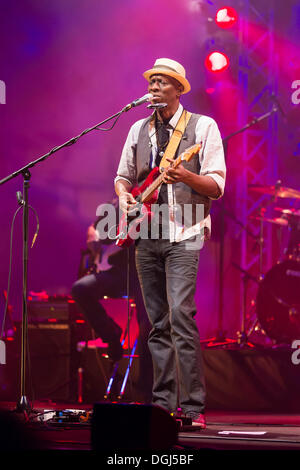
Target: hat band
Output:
{"points": [[165, 67]]}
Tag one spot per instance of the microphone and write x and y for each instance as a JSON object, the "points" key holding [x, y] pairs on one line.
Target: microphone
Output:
{"points": [[139, 101]]}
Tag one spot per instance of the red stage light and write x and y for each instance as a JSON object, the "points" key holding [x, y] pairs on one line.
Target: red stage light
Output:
{"points": [[226, 17], [216, 62]]}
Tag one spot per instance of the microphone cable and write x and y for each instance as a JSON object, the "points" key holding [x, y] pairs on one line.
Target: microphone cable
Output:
{"points": [[21, 203]]}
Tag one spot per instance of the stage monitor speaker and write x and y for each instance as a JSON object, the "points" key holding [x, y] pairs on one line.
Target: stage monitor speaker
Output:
{"points": [[125, 426]]}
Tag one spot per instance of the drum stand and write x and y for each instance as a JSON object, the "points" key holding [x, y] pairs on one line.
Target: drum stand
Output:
{"points": [[220, 338], [243, 334]]}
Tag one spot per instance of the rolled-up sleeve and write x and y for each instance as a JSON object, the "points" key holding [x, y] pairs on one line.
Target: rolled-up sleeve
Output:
{"points": [[127, 166], [212, 158]]}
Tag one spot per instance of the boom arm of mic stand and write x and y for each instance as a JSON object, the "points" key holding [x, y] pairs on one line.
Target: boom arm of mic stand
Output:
{"points": [[71, 141], [251, 123]]}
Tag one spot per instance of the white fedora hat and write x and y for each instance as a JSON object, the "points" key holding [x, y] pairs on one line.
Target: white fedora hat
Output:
{"points": [[170, 68]]}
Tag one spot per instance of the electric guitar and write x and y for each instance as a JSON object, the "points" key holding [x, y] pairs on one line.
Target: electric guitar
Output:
{"points": [[146, 195], [95, 258]]}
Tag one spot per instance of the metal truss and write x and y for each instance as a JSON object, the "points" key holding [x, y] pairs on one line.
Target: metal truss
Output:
{"points": [[257, 78]]}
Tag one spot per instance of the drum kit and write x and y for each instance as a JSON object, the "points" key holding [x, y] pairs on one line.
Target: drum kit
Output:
{"points": [[278, 295]]}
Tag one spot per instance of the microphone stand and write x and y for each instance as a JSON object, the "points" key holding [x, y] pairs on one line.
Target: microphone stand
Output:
{"points": [[220, 335], [243, 334], [23, 402]]}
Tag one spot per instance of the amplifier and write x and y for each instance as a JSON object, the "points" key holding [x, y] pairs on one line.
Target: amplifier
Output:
{"points": [[50, 350], [39, 311], [48, 366]]}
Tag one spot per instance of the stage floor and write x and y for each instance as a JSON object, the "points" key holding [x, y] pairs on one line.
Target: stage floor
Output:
{"points": [[225, 430]]}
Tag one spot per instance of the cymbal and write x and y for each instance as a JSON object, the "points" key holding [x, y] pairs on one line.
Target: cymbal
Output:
{"points": [[277, 220], [289, 212], [280, 191]]}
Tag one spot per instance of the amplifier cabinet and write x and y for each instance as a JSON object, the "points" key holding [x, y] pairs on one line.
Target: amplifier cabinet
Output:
{"points": [[47, 365], [39, 311]]}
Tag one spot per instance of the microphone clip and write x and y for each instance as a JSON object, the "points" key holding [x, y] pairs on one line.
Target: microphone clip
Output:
{"points": [[157, 105]]}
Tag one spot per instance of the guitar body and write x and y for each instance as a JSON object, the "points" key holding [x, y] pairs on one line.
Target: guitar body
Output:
{"points": [[137, 190], [146, 195], [130, 225], [94, 262]]}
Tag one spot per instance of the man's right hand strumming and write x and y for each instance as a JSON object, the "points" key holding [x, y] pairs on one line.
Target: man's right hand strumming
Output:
{"points": [[126, 202], [126, 199]]}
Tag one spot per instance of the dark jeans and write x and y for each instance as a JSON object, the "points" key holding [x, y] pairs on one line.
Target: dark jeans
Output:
{"points": [[168, 273], [88, 290]]}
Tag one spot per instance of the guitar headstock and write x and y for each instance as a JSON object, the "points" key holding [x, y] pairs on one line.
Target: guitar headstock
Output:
{"points": [[190, 152]]}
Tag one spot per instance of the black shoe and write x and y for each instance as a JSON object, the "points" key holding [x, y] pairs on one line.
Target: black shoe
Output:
{"points": [[198, 420]]}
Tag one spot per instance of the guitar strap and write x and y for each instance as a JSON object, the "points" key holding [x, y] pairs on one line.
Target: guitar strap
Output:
{"points": [[175, 140]]}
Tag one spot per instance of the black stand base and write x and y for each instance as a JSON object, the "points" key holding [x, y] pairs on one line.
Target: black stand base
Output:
{"points": [[242, 340], [218, 340]]}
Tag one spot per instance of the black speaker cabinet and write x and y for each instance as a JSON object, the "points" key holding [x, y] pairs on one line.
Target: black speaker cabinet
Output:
{"points": [[47, 365], [125, 426], [49, 348]]}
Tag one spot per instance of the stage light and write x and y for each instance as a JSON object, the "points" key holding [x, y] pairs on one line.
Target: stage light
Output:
{"points": [[216, 62], [226, 17]]}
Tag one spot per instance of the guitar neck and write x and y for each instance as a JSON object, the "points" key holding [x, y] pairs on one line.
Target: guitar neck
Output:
{"points": [[150, 190], [186, 155]]}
